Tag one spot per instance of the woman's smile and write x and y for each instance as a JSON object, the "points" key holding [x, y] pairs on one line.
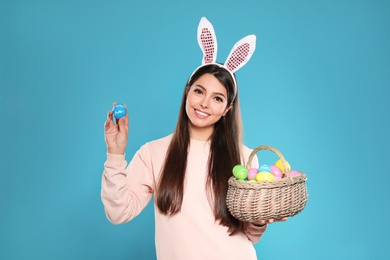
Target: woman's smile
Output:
{"points": [[201, 114]]}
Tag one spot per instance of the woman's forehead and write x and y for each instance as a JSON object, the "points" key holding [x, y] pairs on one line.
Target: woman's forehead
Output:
{"points": [[210, 83]]}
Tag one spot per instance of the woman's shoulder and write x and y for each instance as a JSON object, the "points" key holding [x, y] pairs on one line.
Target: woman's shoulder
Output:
{"points": [[162, 142], [155, 149], [159, 145], [246, 152], [245, 149]]}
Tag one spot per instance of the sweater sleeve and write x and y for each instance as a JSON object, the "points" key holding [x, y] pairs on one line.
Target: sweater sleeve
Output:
{"points": [[127, 189]]}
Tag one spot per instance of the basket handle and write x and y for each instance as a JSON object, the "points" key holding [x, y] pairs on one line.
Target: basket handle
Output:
{"points": [[272, 149]]}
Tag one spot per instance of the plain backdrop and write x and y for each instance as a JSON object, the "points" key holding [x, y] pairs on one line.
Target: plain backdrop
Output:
{"points": [[316, 88]]}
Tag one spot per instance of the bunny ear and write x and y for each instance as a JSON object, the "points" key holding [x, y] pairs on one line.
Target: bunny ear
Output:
{"points": [[241, 53], [207, 41]]}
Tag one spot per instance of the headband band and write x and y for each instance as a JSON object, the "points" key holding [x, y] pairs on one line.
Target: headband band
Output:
{"points": [[239, 55]]}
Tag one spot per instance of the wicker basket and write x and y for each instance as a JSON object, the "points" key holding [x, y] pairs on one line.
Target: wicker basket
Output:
{"points": [[254, 201]]}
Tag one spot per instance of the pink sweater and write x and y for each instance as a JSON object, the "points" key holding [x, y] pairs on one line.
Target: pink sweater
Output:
{"points": [[193, 233]]}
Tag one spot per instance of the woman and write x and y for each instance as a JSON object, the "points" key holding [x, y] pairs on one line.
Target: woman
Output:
{"points": [[187, 172]]}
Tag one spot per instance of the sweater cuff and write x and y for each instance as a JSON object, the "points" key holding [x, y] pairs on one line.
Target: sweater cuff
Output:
{"points": [[115, 160]]}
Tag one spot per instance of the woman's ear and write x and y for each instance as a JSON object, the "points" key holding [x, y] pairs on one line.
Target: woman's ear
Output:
{"points": [[227, 109]]}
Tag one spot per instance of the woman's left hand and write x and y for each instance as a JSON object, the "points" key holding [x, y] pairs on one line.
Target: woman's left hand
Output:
{"points": [[269, 221], [254, 230]]}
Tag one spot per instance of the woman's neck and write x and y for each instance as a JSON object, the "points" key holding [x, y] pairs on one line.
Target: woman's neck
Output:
{"points": [[200, 134]]}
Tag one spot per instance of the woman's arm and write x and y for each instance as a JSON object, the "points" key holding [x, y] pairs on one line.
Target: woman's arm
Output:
{"points": [[255, 230], [126, 190]]}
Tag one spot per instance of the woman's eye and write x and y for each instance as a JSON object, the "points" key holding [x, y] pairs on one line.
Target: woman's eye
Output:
{"points": [[198, 91], [218, 99]]}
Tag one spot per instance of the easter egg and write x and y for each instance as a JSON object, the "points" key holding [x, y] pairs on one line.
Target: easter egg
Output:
{"points": [[252, 172], [264, 176], [119, 111], [279, 164], [276, 172], [294, 173], [240, 172], [253, 180], [264, 168]]}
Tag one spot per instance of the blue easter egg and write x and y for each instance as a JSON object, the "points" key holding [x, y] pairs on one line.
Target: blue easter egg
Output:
{"points": [[264, 168], [119, 111]]}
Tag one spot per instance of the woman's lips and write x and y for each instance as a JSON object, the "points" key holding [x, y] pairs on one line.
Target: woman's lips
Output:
{"points": [[201, 114]]}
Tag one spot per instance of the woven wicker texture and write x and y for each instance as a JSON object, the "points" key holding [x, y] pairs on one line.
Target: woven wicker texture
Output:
{"points": [[254, 201]]}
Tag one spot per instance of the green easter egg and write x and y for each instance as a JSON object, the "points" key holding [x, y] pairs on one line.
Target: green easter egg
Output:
{"points": [[240, 172]]}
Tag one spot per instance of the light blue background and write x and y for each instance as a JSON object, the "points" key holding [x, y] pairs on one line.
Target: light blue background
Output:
{"points": [[317, 88]]}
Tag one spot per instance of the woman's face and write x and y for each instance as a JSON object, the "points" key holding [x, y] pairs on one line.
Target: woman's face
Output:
{"points": [[206, 103]]}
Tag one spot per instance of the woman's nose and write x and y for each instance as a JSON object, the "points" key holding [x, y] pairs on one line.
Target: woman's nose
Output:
{"points": [[204, 103]]}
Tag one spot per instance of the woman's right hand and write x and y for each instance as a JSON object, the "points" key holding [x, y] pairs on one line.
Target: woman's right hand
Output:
{"points": [[116, 134]]}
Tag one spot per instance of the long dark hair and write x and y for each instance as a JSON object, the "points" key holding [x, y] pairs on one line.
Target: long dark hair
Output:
{"points": [[224, 154]]}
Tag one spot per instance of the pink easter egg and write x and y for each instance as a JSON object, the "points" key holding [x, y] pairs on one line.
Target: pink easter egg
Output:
{"points": [[276, 172], [294, 173], [252, 172]]}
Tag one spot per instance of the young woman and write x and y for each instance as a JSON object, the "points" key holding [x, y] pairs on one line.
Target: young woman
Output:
{"points": [[187, 172]]}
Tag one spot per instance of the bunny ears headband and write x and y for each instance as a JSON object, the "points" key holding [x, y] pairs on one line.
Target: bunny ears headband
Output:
{"points": [[239, 55]]}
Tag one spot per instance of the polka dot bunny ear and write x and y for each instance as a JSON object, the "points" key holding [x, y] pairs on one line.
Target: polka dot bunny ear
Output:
{"points": [[207, 41], [240, 54]]}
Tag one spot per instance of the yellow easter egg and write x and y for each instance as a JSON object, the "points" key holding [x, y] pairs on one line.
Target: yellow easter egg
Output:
{"points": [[279, 164], [264, 176], [252, 180]]}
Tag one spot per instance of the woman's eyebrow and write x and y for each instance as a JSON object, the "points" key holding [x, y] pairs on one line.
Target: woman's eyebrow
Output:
{"points": [[200, 86], [204, 89]]}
